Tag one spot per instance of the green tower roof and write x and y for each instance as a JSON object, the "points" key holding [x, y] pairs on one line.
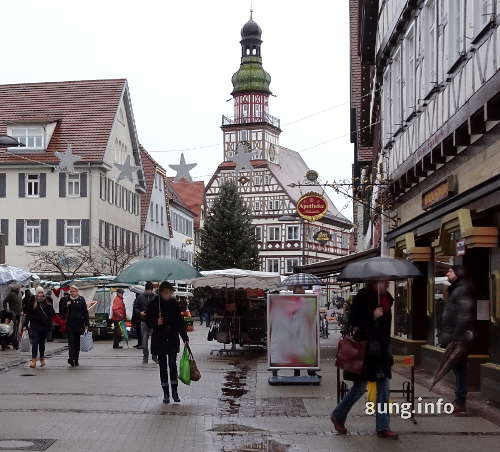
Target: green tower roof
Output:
{"points": [[251, 76]]}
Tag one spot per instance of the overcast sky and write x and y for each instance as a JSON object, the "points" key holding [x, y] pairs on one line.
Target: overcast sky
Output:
{"points": [[179, 56]]}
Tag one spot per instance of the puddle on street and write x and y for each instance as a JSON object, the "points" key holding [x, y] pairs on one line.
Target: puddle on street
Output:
{"points": [[234, 388]]}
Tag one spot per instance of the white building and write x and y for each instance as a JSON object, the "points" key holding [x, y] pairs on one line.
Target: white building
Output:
{"points": [[155, 210], [43, 209]]}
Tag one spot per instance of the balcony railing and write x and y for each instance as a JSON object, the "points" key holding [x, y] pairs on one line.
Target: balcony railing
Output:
{"points": [[265, 118]]}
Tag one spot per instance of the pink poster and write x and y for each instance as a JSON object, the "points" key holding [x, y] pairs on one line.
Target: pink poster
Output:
{"points": [[293, 338]]}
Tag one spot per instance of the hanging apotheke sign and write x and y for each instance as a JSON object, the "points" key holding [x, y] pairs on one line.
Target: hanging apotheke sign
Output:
{"points": [[322, 236], [312, 206]]}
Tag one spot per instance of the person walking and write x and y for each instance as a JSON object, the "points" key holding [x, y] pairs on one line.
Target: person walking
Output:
{"points": [[457, 325], [165, 319], [141, 305], [38, 320], [27, 300], [370, 316], [74, 310], [13, 302], [136, 322], [118, 314]]}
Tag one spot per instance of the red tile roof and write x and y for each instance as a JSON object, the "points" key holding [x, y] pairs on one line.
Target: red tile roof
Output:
{"points": [[192, 194], [84, 112]]}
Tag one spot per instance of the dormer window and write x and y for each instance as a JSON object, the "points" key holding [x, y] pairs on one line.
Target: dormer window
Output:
{"points": [[32, 138]]}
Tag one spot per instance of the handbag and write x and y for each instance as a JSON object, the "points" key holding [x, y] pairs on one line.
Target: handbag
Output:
{"points": [[212, 332], [86, 342], [193, 368], [351, 355], [25, 344], [185, 368]]}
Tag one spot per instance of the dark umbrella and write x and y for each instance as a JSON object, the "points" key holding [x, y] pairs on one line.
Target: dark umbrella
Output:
{"points": [[455, 352], [301, 279], [6, 140], [157, 269], [379, 269]]}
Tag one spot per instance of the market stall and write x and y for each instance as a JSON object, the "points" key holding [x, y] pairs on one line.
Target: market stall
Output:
{"points": [[235, 299]]}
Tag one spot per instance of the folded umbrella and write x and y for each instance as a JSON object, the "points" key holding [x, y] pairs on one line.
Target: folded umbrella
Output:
{"points": [[454, 353], [379, 269]]}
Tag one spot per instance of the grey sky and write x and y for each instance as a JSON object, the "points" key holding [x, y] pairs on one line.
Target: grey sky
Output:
{"points": [[179, 56]]}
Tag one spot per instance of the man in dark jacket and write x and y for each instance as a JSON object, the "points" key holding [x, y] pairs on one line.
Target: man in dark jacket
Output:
{"points": [[457, 325], [75, 311], [13, 302], [141, 304], [370, 317]]}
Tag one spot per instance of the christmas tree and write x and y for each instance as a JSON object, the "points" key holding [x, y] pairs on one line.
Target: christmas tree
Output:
{"points": [[228, 238]]}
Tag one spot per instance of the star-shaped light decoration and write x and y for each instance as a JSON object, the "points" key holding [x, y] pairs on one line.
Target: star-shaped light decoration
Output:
{"points": [[126, 170], [67, 160], [242, 158], [183, 169]]}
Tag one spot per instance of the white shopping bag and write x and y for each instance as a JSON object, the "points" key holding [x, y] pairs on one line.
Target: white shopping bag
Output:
{"points": [[86, 342]]}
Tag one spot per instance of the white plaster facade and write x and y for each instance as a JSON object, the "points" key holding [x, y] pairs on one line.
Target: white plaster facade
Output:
{"points": [[182, 242]]}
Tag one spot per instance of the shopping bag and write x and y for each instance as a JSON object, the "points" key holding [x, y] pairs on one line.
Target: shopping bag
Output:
{"points": [[351, 355], [86, 342], [184, 368], [25, 345], [193, 368], [371, 392]]}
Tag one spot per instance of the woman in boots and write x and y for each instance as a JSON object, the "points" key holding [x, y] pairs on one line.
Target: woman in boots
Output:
{"points": [[164, 317], [39, 313]]}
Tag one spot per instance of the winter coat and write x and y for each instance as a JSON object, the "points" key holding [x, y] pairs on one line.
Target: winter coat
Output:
{"points": [[459, 313], [377, 333], [39, 315], [141, 304], [118, 309], [76, 314], [13, 302], [165, 338]]}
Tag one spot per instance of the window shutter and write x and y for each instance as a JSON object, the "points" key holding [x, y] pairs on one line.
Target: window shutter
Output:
{"points": [[83, 185], [44, 236], [4, 229], [2, 185], [62, 185], [85, 233], [100, 232], [60, 232], [43, 185], [19, 232], [22, 185]]}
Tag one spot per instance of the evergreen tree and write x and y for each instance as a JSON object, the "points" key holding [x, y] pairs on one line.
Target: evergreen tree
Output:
{"points": [[228, 237]]}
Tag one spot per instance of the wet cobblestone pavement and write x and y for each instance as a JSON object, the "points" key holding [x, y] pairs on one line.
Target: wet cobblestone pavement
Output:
{"points": [[112, 402]]}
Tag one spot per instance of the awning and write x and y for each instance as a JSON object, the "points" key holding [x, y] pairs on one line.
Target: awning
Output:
{"points": [[334, 266]]}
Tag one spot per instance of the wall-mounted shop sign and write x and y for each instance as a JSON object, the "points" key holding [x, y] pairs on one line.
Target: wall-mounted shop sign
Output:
{"points": [[460, 247], [322, 236], [312, 206], [440, 192]]}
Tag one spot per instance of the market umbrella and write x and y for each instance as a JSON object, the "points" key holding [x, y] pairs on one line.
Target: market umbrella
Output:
{"points": [[379, 269], [455, 352], [9, 274], [301, 279], [157, 269], [238, 278]]}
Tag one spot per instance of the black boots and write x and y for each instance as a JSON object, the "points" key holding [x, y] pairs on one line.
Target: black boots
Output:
{"points": [[166, 395], [175, 394]]}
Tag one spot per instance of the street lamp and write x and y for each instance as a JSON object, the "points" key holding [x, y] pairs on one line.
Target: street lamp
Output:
{"points": [[288, 218]]}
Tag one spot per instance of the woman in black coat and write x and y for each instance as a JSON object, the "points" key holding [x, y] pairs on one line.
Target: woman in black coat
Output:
{"points": [[74, 310], [164, 317], [370, 318], [39, 313]]}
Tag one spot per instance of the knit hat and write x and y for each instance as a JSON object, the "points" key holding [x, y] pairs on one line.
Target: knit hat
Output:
{"points": [[39, 289]]}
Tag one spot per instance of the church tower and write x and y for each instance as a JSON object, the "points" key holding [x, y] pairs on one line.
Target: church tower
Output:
{"points": [[251, 124]]}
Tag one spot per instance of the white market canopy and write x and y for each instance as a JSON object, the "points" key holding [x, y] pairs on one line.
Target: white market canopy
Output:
{"points": [[235, 277]]}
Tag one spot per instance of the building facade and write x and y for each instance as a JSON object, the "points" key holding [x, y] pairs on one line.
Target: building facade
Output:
{"points": [[93, 207], [434, 85], [264, 172]]}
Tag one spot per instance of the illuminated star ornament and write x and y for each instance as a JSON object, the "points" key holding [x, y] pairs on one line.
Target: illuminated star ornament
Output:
{"points": [[126, 170], [183, 169], [242, 158], [67, 160]]}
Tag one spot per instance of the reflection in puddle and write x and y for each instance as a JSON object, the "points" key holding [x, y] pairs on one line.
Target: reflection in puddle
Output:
{"points": [[234, 388]]}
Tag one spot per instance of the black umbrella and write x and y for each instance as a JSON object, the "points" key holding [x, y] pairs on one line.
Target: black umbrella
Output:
{"points": [[6, 140], [379, 269]]}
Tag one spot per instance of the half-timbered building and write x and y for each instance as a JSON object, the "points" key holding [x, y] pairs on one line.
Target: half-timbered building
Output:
{"points": [[266, 172]]}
